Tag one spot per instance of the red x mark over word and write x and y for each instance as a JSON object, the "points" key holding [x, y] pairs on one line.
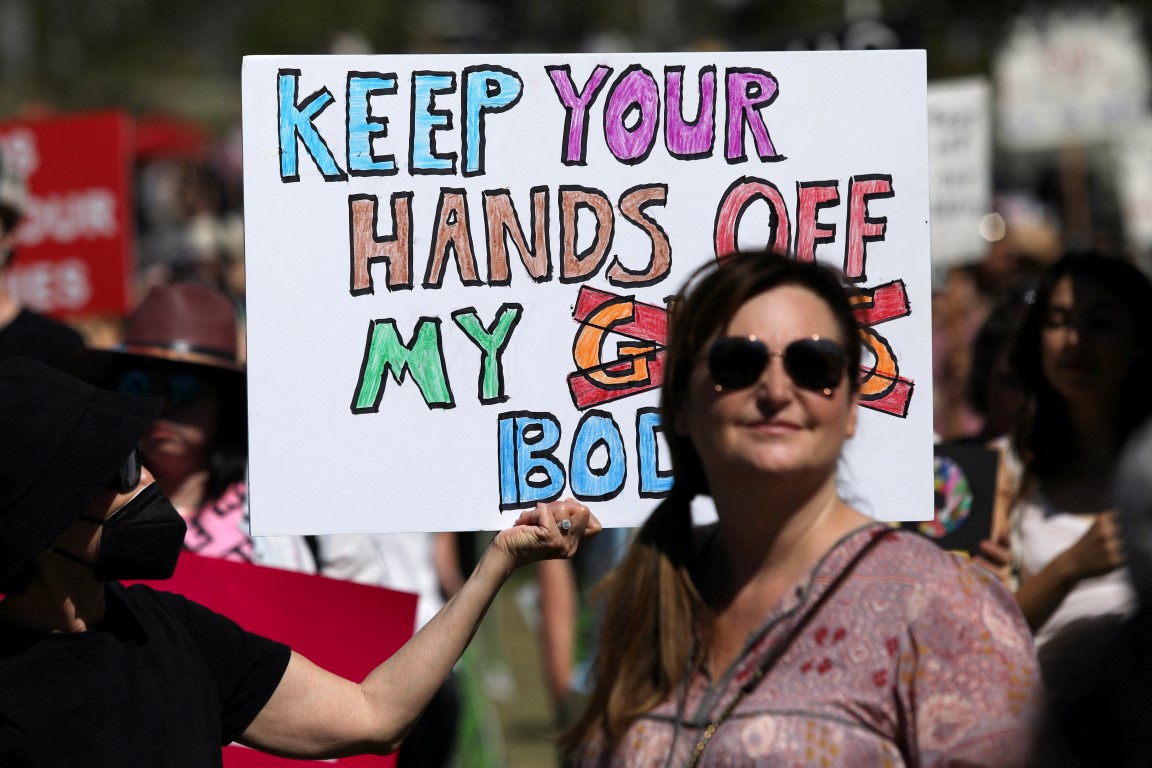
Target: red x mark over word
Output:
{"points": [[882, 388], [639, 363]]}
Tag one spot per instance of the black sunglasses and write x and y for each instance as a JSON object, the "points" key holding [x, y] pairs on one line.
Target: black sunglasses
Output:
{"points": [[128, 476], [815, 364], [178, 388]]}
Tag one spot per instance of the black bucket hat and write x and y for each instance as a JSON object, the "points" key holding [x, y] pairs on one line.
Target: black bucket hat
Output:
{"points": [[61, 440]]}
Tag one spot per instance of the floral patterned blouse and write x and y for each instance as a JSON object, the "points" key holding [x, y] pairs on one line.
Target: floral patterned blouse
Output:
{"points": [[920, 658]]}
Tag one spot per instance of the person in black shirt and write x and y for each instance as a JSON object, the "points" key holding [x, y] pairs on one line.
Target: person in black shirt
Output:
{"points": [[96, 674]]}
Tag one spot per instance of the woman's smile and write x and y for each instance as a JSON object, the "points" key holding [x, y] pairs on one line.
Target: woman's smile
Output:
{"points": [[772, 426]]}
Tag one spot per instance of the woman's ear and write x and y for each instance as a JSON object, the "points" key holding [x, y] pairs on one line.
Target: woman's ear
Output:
{"points": [[853, 411]]}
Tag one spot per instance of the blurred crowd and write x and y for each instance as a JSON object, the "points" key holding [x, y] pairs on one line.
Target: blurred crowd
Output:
{"points": [[1041, 350], [189, 213]]}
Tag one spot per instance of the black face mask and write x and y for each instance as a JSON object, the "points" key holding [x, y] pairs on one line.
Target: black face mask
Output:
{"points": [[141, 540]]}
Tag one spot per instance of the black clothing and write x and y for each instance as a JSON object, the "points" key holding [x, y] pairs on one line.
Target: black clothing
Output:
{"points": [[1104, 721], [40, 338], [159, 681]]}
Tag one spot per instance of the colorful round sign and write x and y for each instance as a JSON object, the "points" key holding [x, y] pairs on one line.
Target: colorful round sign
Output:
{"points": [[953, 499]]}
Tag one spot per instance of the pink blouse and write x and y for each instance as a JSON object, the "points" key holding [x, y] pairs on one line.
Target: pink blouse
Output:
{"points": [[920, 658], [220, 528]]}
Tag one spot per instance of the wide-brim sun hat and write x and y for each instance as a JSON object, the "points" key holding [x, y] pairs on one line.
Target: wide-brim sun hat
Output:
{"points": [[180, 323], [61, 441]]}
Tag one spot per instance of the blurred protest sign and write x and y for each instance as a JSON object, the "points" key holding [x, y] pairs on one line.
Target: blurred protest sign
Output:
{"points": [[1133, 164], [1070, 77], [346, 628], [960, 168], [75, 251], [458, 269]]}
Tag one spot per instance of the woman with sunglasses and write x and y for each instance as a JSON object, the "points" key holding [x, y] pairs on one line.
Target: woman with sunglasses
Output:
{"points": [[796, 630]]}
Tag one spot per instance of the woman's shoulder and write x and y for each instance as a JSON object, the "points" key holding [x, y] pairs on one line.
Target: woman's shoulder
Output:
{"points": [[898, 547], [912, 559], [944, 605], [920, 548], [888, 558], [952, 583]]}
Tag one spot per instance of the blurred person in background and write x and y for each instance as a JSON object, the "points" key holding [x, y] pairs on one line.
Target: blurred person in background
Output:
{"points": [[190, 231], [24, 333], [994, 393], [1104, 720], [1083, 356], [796, 630], [181, 345], [993, 390]]}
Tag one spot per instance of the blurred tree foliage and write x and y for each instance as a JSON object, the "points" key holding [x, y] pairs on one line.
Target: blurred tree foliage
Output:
{"points": [[173, 57], [185, 58]]}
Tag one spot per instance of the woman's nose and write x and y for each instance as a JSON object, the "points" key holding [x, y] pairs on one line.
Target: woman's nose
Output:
{"points": [[1072, 333], [775, 384]]}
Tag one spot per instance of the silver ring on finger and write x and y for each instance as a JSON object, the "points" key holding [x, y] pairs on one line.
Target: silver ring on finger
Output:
{"points": [[564, 525]]}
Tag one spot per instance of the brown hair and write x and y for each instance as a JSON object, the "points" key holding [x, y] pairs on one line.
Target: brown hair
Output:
{"points": [[1041, 436], [655, 613]]}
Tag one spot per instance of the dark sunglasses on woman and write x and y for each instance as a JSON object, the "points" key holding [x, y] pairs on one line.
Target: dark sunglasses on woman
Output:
{"points": [[815, 364], [128, 476]]}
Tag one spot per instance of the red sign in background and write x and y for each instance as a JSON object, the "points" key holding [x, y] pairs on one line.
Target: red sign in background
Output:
{"points": [[344, 627], [75, 250]]}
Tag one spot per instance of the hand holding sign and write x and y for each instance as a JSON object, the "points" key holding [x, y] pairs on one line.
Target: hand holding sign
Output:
{"points": [[546, 531]]}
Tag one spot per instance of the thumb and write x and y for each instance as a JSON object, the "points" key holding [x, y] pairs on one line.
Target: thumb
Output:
{"points": [[594, 527]]}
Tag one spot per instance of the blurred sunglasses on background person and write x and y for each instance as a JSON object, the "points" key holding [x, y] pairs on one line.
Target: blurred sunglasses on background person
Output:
{"points": [[178, 388], [180, 344]]}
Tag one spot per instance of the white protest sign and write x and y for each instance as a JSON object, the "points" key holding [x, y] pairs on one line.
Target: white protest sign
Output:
{"points": [[1068, 78], [458, 268], [960, 163]]}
